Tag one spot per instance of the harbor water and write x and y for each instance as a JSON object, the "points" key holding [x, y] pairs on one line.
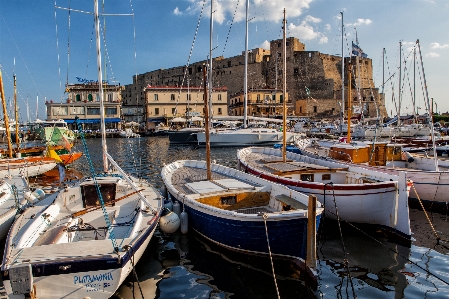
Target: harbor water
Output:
{"points": [[188, 266]]}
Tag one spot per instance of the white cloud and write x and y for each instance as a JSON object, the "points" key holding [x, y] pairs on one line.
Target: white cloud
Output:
{"points": [[432, 55], [265, 45], [304, 31], [177, 12], [438, 46], [360, 22], [263, 10], [311, 19], [327, 27]]}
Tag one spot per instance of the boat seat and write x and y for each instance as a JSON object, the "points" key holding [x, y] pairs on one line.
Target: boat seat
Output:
{"points": [[287, 200]]}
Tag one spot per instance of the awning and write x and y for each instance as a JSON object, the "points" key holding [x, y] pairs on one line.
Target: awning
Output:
{"points": [[156, 120], [94, 120]]}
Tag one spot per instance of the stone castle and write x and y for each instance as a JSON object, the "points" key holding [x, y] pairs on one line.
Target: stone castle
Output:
{"points": [[314, 81]]}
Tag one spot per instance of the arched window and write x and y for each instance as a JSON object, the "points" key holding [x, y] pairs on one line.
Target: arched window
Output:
{"points": [[89, 97]]}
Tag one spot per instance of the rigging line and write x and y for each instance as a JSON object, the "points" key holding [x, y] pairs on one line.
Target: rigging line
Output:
{"points": [[190, 56], [68, 46], [57, 53], [20, 53], [230, 26]]}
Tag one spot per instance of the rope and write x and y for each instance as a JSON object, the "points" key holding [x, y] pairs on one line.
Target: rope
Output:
{"points": [[97, 186], [128, 248], [427, 216], [265, 217], [342, 242]]}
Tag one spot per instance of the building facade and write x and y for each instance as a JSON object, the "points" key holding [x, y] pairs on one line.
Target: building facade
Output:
{"points": [[164, 103], [261, 103], [83, 101], [313, 79]]}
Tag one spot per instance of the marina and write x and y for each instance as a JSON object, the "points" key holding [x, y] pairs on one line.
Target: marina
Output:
{"points": [[187, 265]]}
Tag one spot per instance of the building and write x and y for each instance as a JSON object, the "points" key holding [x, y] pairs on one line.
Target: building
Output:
{"points": [[83, 101], [313, 79], [166, 102], [261, 102]]}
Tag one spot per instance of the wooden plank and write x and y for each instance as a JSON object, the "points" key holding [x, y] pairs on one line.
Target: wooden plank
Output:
{"points": [[287, 200]]}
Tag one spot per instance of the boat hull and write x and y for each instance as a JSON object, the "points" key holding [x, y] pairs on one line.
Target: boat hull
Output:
{"points": [[237, 138]]}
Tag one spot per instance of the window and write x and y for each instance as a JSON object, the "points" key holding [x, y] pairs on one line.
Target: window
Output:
{"points": [[258, 98], [93, 110], [300, 109], [281, 99], [326, 177], [156, 98], [315, 109], [172, 97], [219, 97], [59, 111], [296, 71], [76, 110], [109, 97], [229, 64], [110, 111], [273, 97], [308, 177], [89, 97], [189, 98], [156, 111], [219, 111], [78, 98]]}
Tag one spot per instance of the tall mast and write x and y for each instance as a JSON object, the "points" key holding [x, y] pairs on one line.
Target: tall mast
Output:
{"points": [[348, 139], [284, 93], [400, 74], [206, 127], [245, 76], [342, 78], [16, 113], [5, 113], [210, 62], [100, 85]]}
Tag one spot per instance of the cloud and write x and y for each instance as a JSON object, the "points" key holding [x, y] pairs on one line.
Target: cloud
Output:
{"points": [[327, 27], [262, 10], [176, 12], [438, 46], [265, 45], [360, 22], [432, 55], [304, 31]]}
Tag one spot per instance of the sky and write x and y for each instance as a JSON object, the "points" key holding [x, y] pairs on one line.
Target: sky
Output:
{"points": [[46, 47]]}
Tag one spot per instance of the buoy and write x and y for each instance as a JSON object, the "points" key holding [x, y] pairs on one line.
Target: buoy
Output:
{"points": [[168, 204], [177, 208], [30, 197], [184, 222], [169, 223], [39, 193]]}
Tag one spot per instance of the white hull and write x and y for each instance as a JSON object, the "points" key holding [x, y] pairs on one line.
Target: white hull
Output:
{"points": [[359, 194], [243, 137]]}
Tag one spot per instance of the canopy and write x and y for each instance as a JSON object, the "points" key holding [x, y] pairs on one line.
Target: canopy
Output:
{"points": [[178, 120], [196, 118]]}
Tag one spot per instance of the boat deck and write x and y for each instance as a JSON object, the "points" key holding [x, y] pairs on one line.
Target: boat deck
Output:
{"points": [[186, 175]]}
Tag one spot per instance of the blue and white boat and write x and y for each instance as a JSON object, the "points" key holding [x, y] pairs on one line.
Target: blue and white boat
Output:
{"points": [[240, 211]]}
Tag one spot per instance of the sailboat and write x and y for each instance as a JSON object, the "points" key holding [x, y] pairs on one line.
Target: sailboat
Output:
{"points": [[239, 211], [83, 241], [346, 191], [246, 135]]}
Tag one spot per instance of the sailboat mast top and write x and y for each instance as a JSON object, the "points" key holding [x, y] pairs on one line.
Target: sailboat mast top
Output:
{"points": [[245, 76], [210, 61], [284, 93]]}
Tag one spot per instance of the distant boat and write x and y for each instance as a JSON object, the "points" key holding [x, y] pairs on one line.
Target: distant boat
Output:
{"points": [[52, 131], [128, 133]]}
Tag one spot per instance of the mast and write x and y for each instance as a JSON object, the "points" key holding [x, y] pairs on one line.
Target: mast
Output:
{"points": [[206, 125], [414, 85], [245, 76], [400, 74], [210, 62], [284, 89], [342, 78], [100, 85], [430, 110], [348, 140], [16, 113], [5, 112]]}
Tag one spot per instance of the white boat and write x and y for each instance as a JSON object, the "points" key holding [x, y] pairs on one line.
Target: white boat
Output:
{"points": [[243, 137], [128, 133], [355, 193], [240, 211], [88, 237]]}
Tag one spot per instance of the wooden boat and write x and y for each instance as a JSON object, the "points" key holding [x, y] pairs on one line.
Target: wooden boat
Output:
{"points": [[239, 211], [359, 195], [86, 238]]}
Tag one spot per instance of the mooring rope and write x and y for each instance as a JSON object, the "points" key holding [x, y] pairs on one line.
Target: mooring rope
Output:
{"points": [[265, 217], [427, 216], [128, 249]]}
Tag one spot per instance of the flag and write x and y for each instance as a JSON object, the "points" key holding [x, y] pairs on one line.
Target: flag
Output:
{"points": [[65, 143], [52, 154], [308, 94], [357, 51]]}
